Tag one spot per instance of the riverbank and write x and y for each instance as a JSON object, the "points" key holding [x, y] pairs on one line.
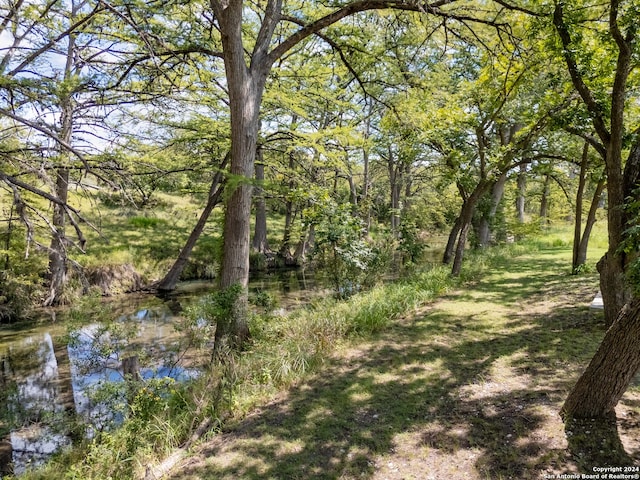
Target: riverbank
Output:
{"points": [[390, 383], [468, 387]]}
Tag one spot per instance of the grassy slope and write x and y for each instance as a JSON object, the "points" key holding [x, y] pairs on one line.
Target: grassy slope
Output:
{"points": [[467, 388]]}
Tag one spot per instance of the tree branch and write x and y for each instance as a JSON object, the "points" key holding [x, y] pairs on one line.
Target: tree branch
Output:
{"points": [[433, 8], [46, 131], [598, 146], [594, 108], [517, 8]]}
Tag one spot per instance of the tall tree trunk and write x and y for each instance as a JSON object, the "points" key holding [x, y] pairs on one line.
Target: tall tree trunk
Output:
{"points": [[590, 222], [484, 230], [460, 246], [544, 201], [449, 249], [7, 239], [170, 280], [522, 193], [285, 247], [365, 175], [466, 215], [260, 243], [58, 264], [577, 232], [395, 210], [395, 184], [246, 86], [615, 292], [408, 194], [612, 373], [353, 192]]}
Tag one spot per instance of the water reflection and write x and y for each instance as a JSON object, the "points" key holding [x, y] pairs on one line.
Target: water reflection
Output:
{"points": [[33, 391], [49, 376]]}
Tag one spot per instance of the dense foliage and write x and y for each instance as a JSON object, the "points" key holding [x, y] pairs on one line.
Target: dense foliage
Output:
{"points": [[143, 143]]}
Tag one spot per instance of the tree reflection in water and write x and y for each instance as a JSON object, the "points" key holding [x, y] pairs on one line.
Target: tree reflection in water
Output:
{"points": [[51, 382]]}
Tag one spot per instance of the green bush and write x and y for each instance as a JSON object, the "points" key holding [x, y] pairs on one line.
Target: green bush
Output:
{"points": [[20, 282]]}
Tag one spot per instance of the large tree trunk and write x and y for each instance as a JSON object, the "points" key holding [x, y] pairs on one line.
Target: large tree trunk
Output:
{"points": [[260, 243], [170, 280], [246, 86], [615, 292], [58, 263], [608, 375], [237, 222]]}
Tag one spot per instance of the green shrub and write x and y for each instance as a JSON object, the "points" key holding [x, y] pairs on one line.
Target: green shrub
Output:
{"points": [[411, 245], [20, 281], [524, 230]]}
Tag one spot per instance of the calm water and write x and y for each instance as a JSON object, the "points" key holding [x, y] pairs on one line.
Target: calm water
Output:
{"points": [[49, 368]]}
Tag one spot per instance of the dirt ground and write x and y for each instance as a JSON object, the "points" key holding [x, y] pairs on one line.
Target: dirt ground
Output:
{"points": [[468, 387]]}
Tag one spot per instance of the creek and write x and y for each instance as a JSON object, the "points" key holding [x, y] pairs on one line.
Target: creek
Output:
{"points": [[50, 367]]}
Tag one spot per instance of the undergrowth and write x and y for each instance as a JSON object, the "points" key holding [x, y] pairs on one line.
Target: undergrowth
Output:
{"points": [[284, 349]]}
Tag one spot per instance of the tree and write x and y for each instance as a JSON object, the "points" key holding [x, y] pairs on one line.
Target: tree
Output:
{"points": [[170, 280], [581, 238], [505, 117], [602, 79], [260, 243], [250, 45], [46, 74]]}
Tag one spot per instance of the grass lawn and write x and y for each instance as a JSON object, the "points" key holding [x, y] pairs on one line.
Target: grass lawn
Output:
{"points": [[468, 387]]}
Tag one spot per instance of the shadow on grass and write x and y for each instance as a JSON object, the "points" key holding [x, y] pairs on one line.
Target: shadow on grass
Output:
{"points": [[597, 443], [435, 397]]}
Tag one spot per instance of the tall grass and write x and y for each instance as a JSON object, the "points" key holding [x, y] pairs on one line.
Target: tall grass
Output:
{"points": [[561, 236], [284, 349]]}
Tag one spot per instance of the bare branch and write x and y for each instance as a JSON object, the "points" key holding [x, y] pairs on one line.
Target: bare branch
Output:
{"points": [[46, 47]]}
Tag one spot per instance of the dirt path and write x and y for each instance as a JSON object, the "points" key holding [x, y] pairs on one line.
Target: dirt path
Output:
{"points": [[467, 388]]}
